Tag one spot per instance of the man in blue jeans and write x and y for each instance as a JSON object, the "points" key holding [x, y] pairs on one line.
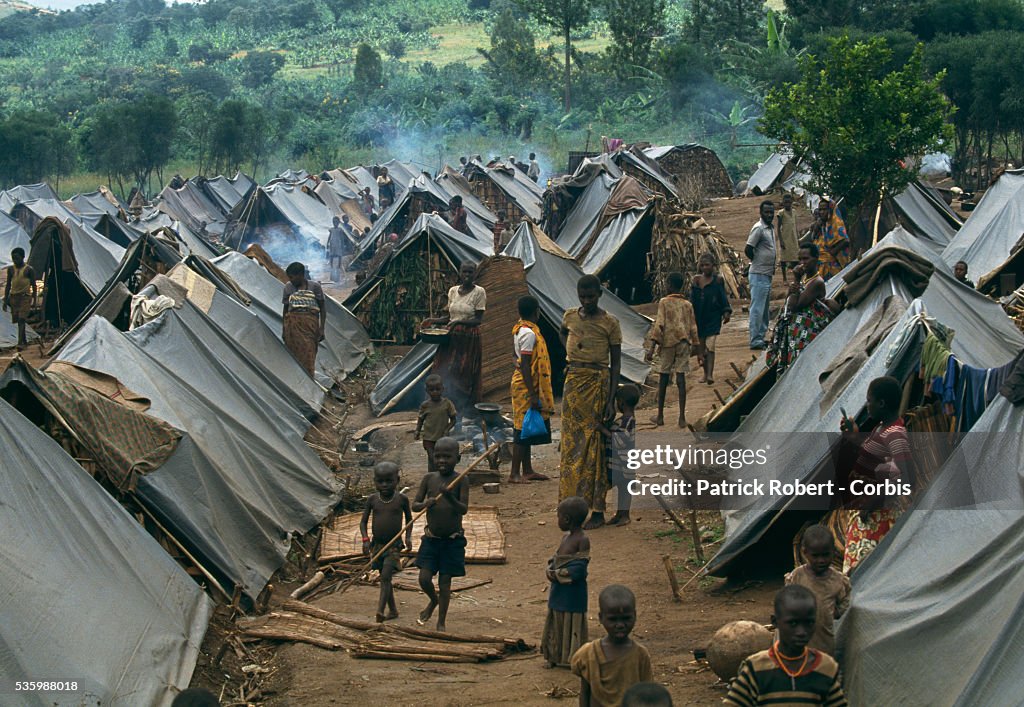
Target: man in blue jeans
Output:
{"points": [[761, 251]]}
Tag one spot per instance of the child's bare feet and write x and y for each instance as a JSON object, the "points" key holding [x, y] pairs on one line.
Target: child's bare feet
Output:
{"points": [[427, 613], [390, 616], [517, 479], [682, 421], [658, 420], [596, 521], [535, 476], [440, 626], [620, 518], [380, 618]]}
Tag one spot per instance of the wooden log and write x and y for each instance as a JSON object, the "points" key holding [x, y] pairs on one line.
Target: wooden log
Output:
{"points": [[739, 373], [698, 546], [731, 383], [286, 635], [420, 658], [308, 586], [670, 513], [718, 395], [672, 579]]}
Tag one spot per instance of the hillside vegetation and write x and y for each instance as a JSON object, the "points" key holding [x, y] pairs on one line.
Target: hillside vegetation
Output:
{"points": [[128, 89]]}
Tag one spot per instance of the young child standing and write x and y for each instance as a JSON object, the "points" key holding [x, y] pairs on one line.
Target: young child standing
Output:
{"points": [[830, 587], [565, 629], [443, 546], [673, 334], [789, 672], [621, 438], [19, 292], [390, 510], [611, 665], [437, 417]]}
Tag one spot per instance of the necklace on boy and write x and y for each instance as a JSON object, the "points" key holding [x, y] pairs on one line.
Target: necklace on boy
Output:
{"points": [[393, 497], [780, 658]]}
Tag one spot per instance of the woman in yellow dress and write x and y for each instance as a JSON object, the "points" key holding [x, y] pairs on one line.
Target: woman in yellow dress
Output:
{"points": [[531, 388]]}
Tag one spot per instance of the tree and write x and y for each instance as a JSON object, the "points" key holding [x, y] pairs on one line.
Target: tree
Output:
{"points": [[565, 16], [855, 124], [728, 20], [259, 67], [238, 133], [368, 72], [33, 145], [634, 24], [512, 61], [130, 140]]}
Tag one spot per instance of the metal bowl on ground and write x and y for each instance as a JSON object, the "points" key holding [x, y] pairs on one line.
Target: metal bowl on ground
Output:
{"points": [[434, 335]]}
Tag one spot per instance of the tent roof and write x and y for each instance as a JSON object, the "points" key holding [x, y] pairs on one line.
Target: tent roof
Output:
{"points": [[131, 629], [768, 174], [789, 419], [346, 342], [95, 202], [97, 257], [339, 204], [639, 160], [191, 205], [242, 479], [452, 183], [993, 228], [517, 186], [12, 236], [948, 576], [25, 192], [923, 212], [225, 193]]}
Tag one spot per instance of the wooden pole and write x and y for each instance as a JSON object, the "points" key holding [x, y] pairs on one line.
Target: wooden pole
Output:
{"points": [[736, 368], [672, 579], [355, 577], [698, 547]]}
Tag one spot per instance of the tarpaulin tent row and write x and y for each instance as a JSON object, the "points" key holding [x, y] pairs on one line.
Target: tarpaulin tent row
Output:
{"points": [[452, 183], [25, 192], [422, 197], [30, 213], [226, 192], [551, 276], [346, 343], [341, 205], [220, 317], [101, 201], [241, 481], [275, 213], [949, 576], [88, 595], [155, 220], [993, 231], [800, 421], [111, 228], [645, 170], [191, 205], [769, 173], [519, 189]]}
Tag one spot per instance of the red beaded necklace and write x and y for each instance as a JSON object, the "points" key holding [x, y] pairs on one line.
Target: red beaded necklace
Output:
{"points": [[779, 657]]}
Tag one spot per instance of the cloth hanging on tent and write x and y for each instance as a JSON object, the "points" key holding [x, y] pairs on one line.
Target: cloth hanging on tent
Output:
{"points": [[844, 367], [934, 355], [913, 269], [1013, 387], [146, 310]]}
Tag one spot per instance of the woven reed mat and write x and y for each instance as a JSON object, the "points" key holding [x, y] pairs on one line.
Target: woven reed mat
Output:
{"points": [[485, 540], [410, 579], [504, 279]]}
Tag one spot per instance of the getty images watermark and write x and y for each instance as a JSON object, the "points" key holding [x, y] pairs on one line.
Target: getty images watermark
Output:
{"points": [[717, 474]]}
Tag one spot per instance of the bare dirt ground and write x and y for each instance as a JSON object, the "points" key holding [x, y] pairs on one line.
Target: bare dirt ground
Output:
{"points": [[514, 603]]}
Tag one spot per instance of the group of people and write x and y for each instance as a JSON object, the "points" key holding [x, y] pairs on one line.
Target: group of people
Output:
{"points": [[531, 169], [813, 259]]}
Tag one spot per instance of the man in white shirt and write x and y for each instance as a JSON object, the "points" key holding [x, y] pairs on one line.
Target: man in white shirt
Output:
{"points": [[761, 251]]}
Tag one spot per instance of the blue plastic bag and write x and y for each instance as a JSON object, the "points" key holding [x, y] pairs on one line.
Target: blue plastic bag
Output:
{"points": [[534, 430]]}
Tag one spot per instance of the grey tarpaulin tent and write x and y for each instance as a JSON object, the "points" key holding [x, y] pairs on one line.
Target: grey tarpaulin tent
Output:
{"points": [[98, 202], [30, 213], [191, 205], [25, 192], [346, 343], [75, 262], [789, 418], [769, 174], [281, 218], [12, 236], [155, 220], [111, 228], [241, 480], [225, 192], [921, 210], [993, 230], [937, 613], [87, 594]]}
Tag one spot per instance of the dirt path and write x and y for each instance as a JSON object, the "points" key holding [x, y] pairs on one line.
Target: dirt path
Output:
{"points": [[514, 603]]}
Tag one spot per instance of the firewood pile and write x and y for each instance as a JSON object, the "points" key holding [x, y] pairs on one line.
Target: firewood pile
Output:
{"points": [[678, 241], [303, 623]]}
